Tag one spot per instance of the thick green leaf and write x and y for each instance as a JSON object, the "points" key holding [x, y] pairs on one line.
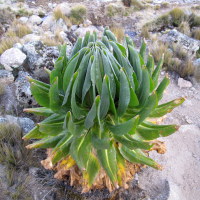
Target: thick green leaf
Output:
{"points": [[77, 47], [49, 142], [87, 82], [55, 101], [143, 49], [93, 168], [156, 72], [35, 134], [80, 150], [92, 114], [124, 94], [155, 132], [76, 110], [86, 39], [124, 128], [131, 143], [135, 62], [107, 157], [144, 88], [110, 35], [105, 100], [41, 94], [41, 111], [52, 129], [57, 72], [148, 107], [40, 83], [136, 156], [150, 64], [69, 88], [161, 88], [165, 108], [70, 71]]}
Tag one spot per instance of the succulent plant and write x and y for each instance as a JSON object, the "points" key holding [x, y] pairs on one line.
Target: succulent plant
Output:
{"points": [[97, 107]]}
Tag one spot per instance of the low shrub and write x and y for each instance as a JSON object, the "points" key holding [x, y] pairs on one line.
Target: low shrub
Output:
{"points": [[184, 28], [78, 14]]}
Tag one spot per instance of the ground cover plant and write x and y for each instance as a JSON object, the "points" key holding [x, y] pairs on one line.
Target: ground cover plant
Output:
{"points": [[98, 106]]}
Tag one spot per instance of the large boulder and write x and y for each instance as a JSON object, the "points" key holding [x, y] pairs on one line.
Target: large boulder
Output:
{"points": [[12, 58], [39, 57], [189, 44]]}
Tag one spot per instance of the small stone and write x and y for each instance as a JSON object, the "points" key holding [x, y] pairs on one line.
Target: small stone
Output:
{"points": [[18, 46], [183, 83], [87, 23], [12, 58], [23, 19]]}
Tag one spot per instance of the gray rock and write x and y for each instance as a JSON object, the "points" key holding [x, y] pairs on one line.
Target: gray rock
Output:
{"points": [[196, 62], [48, 22], [59, 25], [183, 83], [189, 44], [35, 20], [12, 58], [6, 77], [39, 57], [25, 123], [23, 92]]}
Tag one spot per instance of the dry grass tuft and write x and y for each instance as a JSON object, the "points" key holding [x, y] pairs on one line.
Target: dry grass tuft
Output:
{"points": [[119, 33], [145, 32], [178, 16], [164, 5], [78, 14], [12, 149], [184, 28], [137, 4], [18, 29], [158, 49], [196, 34], [7, 43], [57, 13]]}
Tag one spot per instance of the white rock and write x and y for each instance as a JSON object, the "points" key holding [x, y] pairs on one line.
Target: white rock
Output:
{"points": [[74, 27], [12, 58], [87, 23], [64, 8], [31, 38], [82, 30], [18, 46], [183, 83], [48, 22], [35, 20], [23, 19]]}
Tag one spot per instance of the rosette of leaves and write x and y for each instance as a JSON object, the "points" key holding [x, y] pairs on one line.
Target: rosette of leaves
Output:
{"points": [[96, 107]]}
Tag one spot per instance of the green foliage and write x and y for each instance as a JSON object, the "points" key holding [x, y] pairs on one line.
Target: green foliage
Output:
{"points": [[97, 103], [78, 14]]}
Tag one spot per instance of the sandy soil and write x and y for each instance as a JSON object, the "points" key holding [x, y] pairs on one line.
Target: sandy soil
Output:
{"points": [[180, 178]]}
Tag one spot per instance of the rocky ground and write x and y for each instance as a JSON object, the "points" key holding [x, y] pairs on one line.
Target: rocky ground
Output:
{"points": [[31, 53]]}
